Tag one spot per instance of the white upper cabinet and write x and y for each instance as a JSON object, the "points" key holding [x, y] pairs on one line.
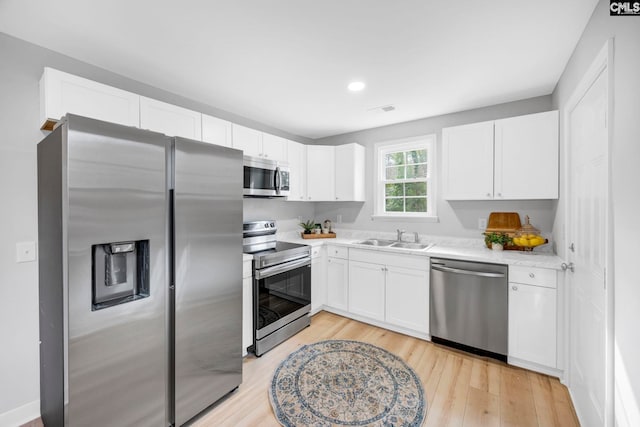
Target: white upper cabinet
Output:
{"points": [[62, 93], [216, 131], [468, 161], [507, 159], [247, 139], [335, 173], [297, 159], [259, 144], [526, 157], [321, 180], [349, 163], [274, 147], [170, 119]]}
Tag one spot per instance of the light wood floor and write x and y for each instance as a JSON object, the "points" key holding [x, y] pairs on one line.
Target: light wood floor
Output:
{"points": [[461, 389]]}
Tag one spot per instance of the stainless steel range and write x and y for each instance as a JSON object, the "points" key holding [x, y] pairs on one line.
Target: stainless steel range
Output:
{"points": [[281, 285]]}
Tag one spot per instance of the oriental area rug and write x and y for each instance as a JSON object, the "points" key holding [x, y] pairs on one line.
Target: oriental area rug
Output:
{"points": [[346, 383]]}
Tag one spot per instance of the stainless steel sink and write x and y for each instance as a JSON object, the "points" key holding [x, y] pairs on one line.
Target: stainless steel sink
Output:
{"points": [[409, 245], [376, 242]]}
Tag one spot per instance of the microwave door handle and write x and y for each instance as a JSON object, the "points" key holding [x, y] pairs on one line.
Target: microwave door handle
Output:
{"points": [[277, 180]]}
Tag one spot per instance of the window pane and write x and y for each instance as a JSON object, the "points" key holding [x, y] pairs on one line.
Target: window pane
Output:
{"points": [[394, 190], [417, 156], [394, 205], [417, 171], [416, 188], [417, 205], [393, 159], [395, 172]]}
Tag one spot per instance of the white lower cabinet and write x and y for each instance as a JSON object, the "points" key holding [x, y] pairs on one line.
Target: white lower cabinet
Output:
{"points": [[390, 288], [247, 306], [407, 298], [533, 316], [318, 278], [337, 283], [366, 289]]}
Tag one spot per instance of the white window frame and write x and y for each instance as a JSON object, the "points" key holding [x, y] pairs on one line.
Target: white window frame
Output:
{"points": [[427, 142]]}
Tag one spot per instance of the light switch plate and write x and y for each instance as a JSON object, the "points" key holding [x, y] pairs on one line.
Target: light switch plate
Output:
{"points": [[25, 251], [482, 224]]}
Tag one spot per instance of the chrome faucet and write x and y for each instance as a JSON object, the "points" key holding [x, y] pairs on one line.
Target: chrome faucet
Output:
{"points": [[416, 238], [400, 233]]}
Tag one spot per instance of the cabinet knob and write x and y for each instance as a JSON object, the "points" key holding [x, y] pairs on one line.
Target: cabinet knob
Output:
{"points": [[499, 194], [515, 288], [266, 155], [532, 275], [302, 197], [336, 198], [488, 194]]}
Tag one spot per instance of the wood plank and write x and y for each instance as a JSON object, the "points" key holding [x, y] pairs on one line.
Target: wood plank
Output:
{"points": [[516, 399], [483, 409]]}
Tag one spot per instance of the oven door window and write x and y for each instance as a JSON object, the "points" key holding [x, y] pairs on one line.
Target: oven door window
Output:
{"points": [[283, 294]]}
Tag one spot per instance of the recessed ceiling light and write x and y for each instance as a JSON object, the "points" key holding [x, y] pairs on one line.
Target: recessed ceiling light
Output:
{"points": [[356, 86]]}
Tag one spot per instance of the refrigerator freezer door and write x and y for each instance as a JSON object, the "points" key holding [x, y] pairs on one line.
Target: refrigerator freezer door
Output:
{"points": [[117, 356], [208, 274]]}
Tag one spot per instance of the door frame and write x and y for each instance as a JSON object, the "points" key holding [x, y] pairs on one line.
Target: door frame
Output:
{"points": [[602, 61]]}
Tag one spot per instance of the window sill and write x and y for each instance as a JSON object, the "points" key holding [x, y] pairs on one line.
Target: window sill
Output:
{"points": [[403, 218]]}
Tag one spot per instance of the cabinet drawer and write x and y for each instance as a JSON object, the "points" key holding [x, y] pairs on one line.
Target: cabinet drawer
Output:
{"points": [[417, 262], [316, 251], [533, 276], [338, 251]]}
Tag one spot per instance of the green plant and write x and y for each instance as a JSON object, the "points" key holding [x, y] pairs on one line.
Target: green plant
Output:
{"points": [[497, 238], [308, 226]]}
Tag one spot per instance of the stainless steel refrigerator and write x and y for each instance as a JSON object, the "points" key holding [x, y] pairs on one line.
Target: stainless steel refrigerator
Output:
{"points": [[140, 275]]}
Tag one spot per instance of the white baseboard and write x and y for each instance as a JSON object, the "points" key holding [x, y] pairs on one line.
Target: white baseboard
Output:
{"points": [[21, 415]]}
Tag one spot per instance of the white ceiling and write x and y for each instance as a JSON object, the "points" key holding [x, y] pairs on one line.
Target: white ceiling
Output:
{"points": [[286, 63]]}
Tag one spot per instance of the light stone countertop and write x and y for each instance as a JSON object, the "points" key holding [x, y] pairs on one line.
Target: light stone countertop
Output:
{"points": [[443, 247]]}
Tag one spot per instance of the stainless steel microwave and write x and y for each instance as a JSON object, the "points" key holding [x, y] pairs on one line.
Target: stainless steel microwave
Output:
{"points": [[265, 178]]}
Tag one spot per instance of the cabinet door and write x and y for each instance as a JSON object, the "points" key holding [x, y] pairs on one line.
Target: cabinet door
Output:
{"points": [[407, 298], [297, 158], [338, 283], [468, 161], [532, 323], [274, 147], [62, 93], [170, 119], [216, 131], [318, 281], [320, 173], [366, 289], [247, 314], [350, 172], [526, 157], [247, 139]]}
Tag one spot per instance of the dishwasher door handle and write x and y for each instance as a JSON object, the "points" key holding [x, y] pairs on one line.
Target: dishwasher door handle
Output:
{"points": [[468, 272]]}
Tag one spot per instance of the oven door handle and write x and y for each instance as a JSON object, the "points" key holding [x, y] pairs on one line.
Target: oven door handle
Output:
{"points": [[281, 268]]}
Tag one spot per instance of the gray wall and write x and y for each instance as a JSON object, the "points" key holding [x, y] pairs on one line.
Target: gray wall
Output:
{"points": [[624, 175], [459, 218], [20, 70]]}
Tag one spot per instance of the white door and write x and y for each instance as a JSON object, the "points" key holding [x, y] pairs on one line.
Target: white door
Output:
{"points": [[338, 283], [588, 200], [366, 289]]}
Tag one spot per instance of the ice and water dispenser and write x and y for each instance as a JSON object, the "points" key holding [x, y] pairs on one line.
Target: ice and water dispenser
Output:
{"points": [[120, 273]]}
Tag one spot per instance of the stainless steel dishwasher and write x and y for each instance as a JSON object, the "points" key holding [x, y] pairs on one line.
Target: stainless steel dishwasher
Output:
{"points": [[469, 306]]}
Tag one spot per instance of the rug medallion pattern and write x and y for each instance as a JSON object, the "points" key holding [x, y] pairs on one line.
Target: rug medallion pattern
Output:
{"points": [[350, 383]]}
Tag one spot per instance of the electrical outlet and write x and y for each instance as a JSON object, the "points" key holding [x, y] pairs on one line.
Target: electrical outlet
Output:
{"points": [[482, 223], [339, 219]]}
